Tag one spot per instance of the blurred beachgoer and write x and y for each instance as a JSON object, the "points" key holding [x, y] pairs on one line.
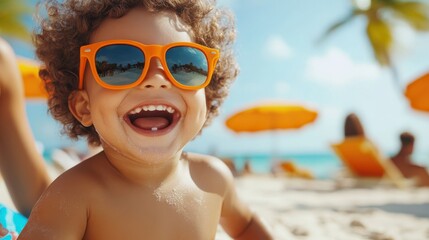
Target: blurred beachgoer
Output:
{"points": [[21, 165], [247, 168], [403, 161], [143, 112], [353, 127]]}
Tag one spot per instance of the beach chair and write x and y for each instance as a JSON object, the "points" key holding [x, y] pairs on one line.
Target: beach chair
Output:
{"points": [[364, 161], [292, 170]]}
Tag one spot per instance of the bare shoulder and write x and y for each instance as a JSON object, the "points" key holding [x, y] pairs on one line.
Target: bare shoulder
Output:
{"points": [[209, 164], [210, 172], [62, 210], [69, 184], [78, 185], [84, 176]]}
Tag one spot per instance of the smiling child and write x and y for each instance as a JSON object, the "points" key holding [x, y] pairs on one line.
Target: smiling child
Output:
{"points": [[141, 79]]}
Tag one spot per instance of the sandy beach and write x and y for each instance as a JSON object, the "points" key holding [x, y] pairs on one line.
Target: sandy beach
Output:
{"points": [[319, 209], [316, 209]]}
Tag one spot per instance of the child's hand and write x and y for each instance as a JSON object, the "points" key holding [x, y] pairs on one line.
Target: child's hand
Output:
{"points": [[4, 232], [10, 78]]}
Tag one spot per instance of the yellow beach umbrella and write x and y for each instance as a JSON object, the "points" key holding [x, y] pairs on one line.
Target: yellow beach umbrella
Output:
{"points": [[276, 116], [417, 93], [33, 85]]}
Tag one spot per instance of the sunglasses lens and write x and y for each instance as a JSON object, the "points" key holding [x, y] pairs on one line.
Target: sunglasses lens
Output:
{"points": [[119, 64], [188, 65]]}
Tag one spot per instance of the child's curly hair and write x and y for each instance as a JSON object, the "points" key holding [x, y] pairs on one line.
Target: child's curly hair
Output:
{"points": [[68, 26]]}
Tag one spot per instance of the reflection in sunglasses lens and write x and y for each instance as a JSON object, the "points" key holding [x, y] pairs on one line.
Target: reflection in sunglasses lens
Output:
{"points": [[119, 64], [188, 65]]}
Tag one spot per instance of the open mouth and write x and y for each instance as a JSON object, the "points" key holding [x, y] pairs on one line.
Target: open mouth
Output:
{"points": [[153, 118]]}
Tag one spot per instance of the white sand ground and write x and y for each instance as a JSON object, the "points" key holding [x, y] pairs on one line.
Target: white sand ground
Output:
{"points": [[319, 210]]}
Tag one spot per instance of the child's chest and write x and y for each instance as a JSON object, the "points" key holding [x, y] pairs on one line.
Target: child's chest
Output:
{"points": [[177, 213]]}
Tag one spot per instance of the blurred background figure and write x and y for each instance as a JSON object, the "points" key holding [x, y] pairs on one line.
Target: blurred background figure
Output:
{"points": [[362, 159], [352, 126], [403, 160], [21, 164], [247, 168]]}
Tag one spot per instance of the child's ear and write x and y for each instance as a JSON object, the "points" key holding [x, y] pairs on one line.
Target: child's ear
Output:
{"points": [[79, 107]]}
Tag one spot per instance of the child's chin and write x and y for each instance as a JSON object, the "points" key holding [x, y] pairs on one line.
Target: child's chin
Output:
{"points": [[157, 153]]}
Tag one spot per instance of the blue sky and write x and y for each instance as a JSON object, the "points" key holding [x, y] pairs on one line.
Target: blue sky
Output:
{"points": [[280, 61]]}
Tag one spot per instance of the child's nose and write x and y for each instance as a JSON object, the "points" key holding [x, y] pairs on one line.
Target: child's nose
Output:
{"points": [[155, 76]]}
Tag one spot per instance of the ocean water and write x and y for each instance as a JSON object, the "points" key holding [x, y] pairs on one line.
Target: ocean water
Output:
{"points": [[322, 165]]}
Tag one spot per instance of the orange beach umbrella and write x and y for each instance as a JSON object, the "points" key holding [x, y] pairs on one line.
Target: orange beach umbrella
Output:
{"points": [[417, 93], [33, 85], [274, 116], [271, 117]]}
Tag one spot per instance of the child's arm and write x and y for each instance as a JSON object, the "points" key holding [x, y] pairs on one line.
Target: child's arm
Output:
{"points": [[237, 219], [254, 230], [21, 166]]}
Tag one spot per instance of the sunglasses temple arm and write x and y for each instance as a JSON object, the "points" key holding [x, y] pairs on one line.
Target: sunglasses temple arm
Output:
{"points": [[82, 66]]}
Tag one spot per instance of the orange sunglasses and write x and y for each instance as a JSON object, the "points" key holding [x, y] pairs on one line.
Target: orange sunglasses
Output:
{"points": [[123, 64]]}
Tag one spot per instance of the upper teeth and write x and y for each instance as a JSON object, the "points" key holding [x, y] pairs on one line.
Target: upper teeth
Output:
{"points": [[152, 108]]}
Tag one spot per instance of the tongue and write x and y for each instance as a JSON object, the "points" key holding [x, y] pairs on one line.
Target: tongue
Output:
{"points": [[149, 123]]}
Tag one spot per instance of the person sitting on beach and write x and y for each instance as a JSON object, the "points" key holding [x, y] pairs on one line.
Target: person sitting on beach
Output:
{"points": [[353, 127], [404, 162], [21, 165], [247, 168], [142, 113]]}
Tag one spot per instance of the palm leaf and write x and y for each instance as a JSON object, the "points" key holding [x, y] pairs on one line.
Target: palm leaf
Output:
{"points": [[11, 14], [338, 24], [13, 28], [415, 13], [380, 37], [379, 34]]}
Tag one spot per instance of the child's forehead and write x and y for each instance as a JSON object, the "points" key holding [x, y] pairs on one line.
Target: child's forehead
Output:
{"points": [[143, 26]]}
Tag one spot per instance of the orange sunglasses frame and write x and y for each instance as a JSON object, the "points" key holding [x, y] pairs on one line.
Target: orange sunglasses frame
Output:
{"points": [[87, 53]]}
